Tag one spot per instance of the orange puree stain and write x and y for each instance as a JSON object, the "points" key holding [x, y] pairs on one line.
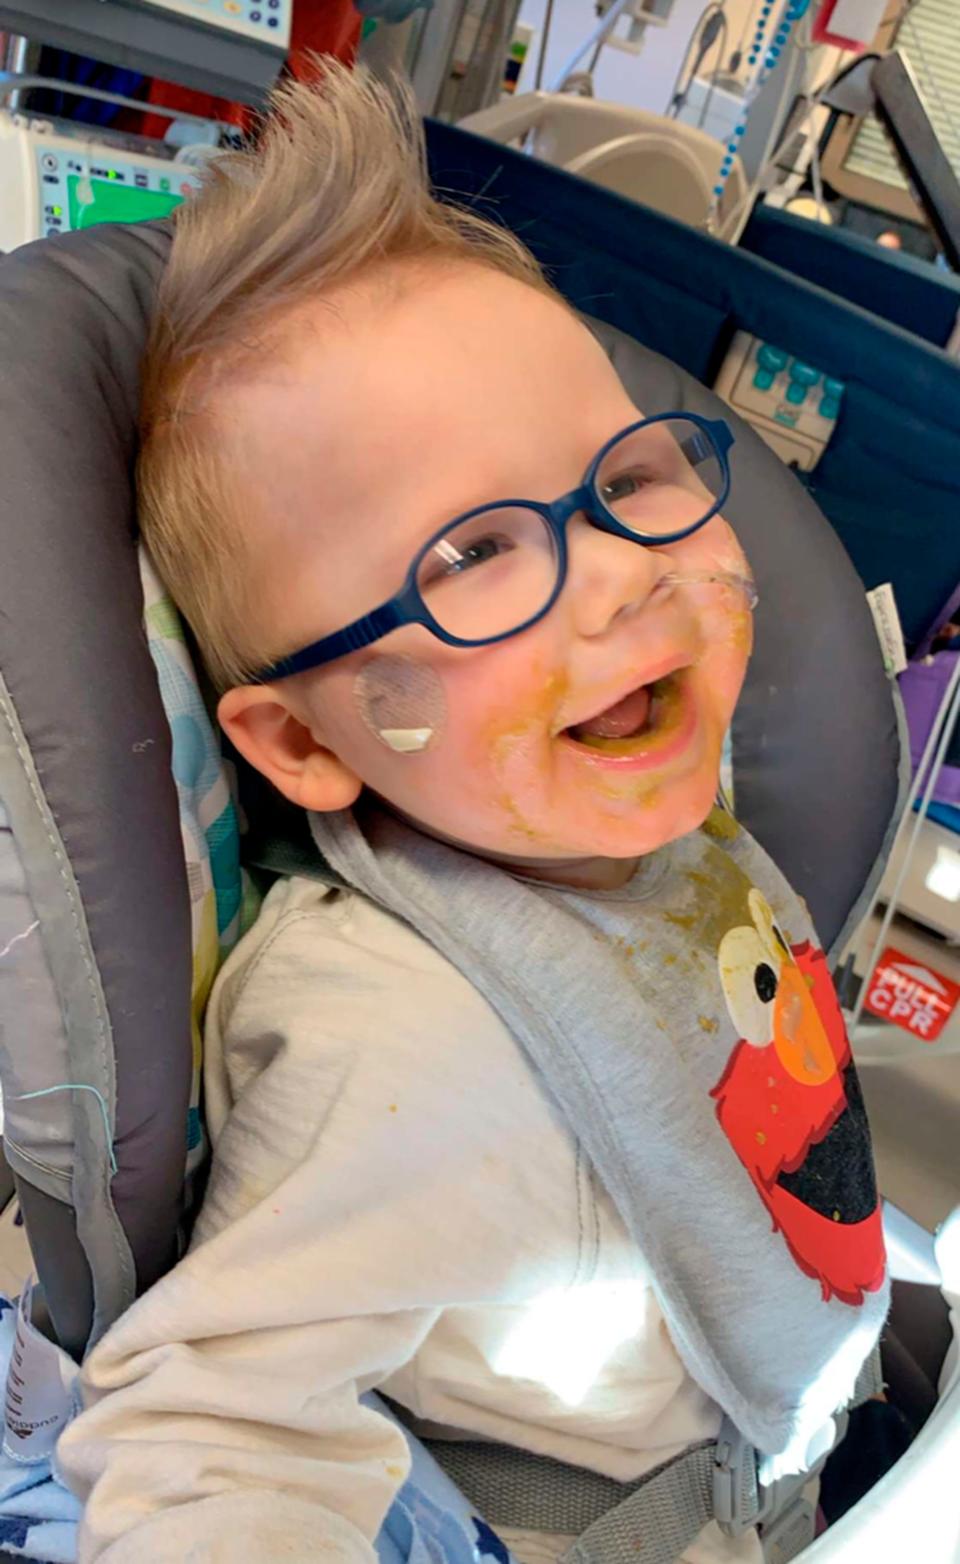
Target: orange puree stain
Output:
{"points": [[721, 826], [502, 734]]}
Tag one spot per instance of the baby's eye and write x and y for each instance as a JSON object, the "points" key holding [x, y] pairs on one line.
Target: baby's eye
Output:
{"points": [[448, 561], [625, 484]]}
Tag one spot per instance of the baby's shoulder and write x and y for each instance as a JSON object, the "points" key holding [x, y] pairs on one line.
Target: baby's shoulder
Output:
{"points": [[352, 967], [333, 1000]]}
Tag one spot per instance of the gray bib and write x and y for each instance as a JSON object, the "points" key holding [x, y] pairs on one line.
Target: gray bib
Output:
{"points": [[702, 1062]]}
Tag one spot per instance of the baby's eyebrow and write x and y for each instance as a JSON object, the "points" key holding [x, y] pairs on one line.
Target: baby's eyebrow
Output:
{"points": [[520, 490]]}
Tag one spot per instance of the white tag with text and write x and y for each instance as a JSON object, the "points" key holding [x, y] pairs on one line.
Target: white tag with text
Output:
{"points": [[883, 606], [40, 1382]]}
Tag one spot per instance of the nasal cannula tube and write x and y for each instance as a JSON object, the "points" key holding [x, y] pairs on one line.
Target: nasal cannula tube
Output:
{"points": [[744, 584]]}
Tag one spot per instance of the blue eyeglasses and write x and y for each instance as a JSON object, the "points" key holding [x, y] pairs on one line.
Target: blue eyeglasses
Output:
{"points": [[495, 571]]}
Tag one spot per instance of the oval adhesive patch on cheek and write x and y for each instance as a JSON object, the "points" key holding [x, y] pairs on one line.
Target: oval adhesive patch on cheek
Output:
{"points": [[402, 702]]}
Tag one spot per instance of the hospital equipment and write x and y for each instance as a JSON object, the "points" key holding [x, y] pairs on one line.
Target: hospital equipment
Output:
{"points": [[887, 86], [717, 106], [858, 159], [56, 177], [726, 127], [590, 46], [233, 48], [850, 24], [922, 879], [929, 892], [790, 402], [671, 167], [454, 51]]}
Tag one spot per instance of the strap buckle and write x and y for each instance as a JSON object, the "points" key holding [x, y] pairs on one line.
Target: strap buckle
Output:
{"points": [[787, 1520], [737, 1501]]}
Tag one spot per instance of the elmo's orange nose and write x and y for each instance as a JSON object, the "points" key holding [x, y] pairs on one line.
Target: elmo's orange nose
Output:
{"points": [[798, 1033]]}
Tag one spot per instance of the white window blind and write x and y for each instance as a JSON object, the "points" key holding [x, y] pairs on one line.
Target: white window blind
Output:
{"points": [[929, 38]]}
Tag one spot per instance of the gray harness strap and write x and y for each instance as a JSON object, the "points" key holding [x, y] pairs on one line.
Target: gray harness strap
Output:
{"points": [[660, 1515], [657, 1522], [654, 1519]]}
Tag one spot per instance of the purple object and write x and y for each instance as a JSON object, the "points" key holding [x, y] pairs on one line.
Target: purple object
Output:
{"points": [[922, 686]]}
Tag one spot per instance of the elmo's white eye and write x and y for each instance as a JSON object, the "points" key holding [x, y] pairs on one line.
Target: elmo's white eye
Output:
{"points": [[750, 978], [768, 929]]}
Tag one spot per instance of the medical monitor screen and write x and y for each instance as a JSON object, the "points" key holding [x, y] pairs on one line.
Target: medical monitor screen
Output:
{"points": [[95, 201]]}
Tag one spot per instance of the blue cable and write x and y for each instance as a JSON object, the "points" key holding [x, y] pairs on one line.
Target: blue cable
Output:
{"points": [[76, 1086], [774, 50]]}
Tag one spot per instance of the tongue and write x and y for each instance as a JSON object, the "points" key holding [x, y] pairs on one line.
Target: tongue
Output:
{"points": [[620, 721]]}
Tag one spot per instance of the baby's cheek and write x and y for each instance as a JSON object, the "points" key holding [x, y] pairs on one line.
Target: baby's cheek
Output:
{"points": [[725, 616], [503, 726], [714, 547]]}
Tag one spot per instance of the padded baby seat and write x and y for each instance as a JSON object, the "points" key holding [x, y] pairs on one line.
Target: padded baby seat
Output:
{"points": [[85, 775], [96, 1059]]}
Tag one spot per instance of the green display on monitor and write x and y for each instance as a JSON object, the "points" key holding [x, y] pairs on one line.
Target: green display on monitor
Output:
{"points": [[103, 201]]}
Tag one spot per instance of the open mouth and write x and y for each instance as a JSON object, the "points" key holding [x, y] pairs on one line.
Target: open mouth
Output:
{"points": [[652, 711]]}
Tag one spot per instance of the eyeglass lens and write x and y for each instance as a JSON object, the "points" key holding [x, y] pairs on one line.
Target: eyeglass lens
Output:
{"points": [[661, 478]]}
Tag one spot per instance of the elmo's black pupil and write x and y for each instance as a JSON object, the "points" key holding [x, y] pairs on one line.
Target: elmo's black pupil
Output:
{"points": [[765, 982]]}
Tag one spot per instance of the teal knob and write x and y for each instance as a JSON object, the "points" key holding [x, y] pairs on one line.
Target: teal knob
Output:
{"points": [[772, 358], [804, 374]]}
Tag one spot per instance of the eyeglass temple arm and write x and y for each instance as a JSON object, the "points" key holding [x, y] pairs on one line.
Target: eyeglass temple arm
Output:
{"points": [[362, 632], [694, 447]]}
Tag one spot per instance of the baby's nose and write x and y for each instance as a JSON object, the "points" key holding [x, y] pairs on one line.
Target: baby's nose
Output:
{"points": [[609, 576]]}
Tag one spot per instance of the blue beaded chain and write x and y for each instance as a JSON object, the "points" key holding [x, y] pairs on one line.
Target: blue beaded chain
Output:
{"points": [[774, 49]]}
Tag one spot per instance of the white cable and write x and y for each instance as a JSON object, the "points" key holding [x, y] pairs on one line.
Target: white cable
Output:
{"points": [[942, 730], [604, 27]]}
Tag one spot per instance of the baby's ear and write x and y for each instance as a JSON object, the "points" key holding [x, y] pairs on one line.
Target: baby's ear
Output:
{"points": [[260, 722]]}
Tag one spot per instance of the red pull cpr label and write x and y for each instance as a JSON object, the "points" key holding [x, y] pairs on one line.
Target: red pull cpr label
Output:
{"points": [[911, 995]]}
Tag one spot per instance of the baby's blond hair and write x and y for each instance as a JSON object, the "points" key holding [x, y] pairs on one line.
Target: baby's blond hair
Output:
{"points": [[336, 184]]}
